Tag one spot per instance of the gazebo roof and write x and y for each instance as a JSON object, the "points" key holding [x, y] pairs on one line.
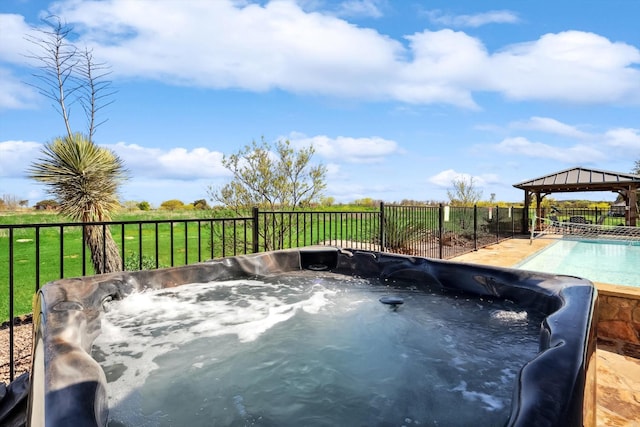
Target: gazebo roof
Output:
{"points": [[580, 179]]}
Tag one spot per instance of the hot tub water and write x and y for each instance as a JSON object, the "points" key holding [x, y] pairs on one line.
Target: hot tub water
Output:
{"points": [[311, 349]]}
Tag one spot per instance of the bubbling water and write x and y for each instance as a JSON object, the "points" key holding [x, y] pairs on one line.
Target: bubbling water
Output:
{"points": [[311, 349]]}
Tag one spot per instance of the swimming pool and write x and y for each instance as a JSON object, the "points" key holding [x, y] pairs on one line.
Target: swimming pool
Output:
{"points": [[599, 261]]}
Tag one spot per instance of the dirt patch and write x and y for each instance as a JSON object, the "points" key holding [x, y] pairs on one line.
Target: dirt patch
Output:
{"points": [[22, 341]]}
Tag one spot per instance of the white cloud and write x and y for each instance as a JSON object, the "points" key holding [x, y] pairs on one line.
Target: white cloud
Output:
{"points": [[553, 126], [612, 144], [571, 66], [577, 154], [345, 191], [624, 138], [218, 45], [348, 149], [16, 157], [176, 163], [16, 49], [224, 44], [445, 65], [476, 20], [334, 170], [142, 162], [196, 163], [14, 94], [14, 46], [360, 8], [445, 178]]}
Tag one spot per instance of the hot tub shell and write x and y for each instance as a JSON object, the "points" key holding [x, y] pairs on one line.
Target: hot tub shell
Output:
{"points": [[556, 388]]}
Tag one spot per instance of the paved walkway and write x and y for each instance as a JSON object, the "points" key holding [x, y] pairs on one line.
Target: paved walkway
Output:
{"points": [[618, 376]]}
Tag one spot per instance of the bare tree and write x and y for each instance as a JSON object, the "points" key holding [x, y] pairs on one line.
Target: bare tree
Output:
{"points": [[276, 178], [67, 75], [271, 178], [57, 59], [464, 192], [83, 177], [9, 201], [94, 91]]}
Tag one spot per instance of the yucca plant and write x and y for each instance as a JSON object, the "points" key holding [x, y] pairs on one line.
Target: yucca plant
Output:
{"points": [[84, 178], [402, 234]]}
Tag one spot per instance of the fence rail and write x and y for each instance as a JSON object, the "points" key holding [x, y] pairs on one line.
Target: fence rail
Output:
{"points": [[34, 254], [609, 216]]}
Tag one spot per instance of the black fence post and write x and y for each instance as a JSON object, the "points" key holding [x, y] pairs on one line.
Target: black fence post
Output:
{"points": [[440, 228], [475, 227], [61, 250], [139, 243], [171, 245], [104, 248], [11, 309], [122, 249], [383, 244], [497, 224], [157, 247], [255, 235], [38, 257]]}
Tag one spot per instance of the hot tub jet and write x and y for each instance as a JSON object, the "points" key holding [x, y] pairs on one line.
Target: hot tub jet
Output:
{"points": [[394, 302]]}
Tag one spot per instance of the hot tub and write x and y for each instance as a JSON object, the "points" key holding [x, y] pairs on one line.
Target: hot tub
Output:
{"points": [[381, 355]]}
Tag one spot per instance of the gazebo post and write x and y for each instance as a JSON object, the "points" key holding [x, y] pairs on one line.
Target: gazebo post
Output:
{"points": [[539, 198], [631, 201], [525, 217]]}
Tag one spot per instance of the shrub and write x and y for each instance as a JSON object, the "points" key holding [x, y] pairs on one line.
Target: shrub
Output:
{"points": [[172, 205], [132, 262]]}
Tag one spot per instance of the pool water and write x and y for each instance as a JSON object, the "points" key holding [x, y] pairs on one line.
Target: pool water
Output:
{"points": [[311, 351], [599, 261]]}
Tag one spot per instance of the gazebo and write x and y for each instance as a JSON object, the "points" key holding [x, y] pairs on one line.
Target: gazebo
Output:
{"points": [[581, 179]]}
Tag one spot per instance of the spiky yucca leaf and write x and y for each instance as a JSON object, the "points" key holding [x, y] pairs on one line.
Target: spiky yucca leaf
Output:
{"points": [[82, 176]]}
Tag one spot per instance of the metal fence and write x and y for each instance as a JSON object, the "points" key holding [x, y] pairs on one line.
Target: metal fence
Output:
{"points": [[290, 229], [445, 232], [34, 254], [611, 216]]}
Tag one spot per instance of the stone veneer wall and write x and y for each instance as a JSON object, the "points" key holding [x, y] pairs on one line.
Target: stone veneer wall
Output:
{"points": [[619, 319]]}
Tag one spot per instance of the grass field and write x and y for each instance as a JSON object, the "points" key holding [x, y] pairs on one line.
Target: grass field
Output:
{"points": [[43, 250], [42, 253]]}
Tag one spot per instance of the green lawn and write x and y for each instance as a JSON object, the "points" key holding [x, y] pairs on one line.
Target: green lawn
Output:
{"points": [[178, 243], [148, 244]]}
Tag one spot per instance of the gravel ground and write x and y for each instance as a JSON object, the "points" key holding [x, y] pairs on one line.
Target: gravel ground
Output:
{"points": [[22, 340]]}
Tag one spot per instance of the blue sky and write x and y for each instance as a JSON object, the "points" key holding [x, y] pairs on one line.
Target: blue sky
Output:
{"points": [[398, 97]]}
